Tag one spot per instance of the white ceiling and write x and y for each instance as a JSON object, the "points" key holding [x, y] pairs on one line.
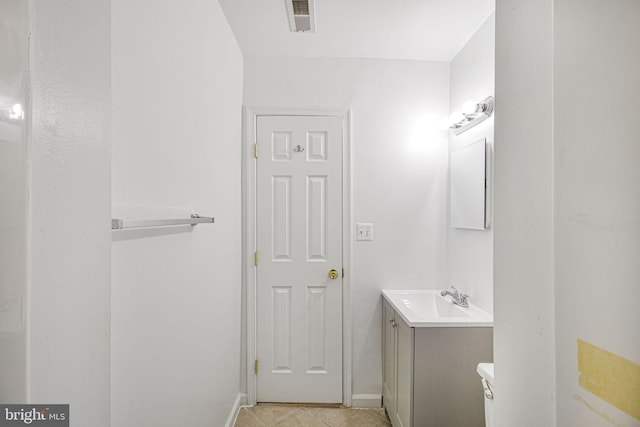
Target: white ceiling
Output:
{"points": [[429, 30]]}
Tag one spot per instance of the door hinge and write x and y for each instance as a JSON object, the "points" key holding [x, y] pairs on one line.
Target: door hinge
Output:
{"points": [[256, 150], [257, 366], [256, 258]]}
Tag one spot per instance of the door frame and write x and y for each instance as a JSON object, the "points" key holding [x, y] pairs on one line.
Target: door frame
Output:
{"points": [[249, 300]]}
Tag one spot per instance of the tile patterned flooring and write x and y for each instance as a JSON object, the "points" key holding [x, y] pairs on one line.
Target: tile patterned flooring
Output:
{"points": [[266, 415]]}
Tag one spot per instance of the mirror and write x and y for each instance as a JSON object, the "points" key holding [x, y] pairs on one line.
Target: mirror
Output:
{"points": [[468, 186]]}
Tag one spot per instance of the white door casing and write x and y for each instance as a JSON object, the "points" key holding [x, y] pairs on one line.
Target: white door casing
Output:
{"points": [[299, 241]]}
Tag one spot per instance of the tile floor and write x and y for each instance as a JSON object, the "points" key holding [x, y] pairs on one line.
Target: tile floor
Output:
{"points": [[266, 415]]}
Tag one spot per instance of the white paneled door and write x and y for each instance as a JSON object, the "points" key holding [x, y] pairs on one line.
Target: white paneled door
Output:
{"points": [[299, 272]]}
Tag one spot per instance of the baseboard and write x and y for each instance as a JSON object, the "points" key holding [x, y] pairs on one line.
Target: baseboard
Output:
{"points": [[241, 399], [366, 401]]}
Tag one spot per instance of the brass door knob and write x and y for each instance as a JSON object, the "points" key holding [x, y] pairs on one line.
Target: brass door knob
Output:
{"points": [[333, 274]]}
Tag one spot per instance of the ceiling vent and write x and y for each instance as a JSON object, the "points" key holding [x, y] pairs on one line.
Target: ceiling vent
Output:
{"points": [[301, 14]]}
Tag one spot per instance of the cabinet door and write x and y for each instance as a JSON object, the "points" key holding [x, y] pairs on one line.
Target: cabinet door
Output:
{"points": [[388, 358], [404, 374]]}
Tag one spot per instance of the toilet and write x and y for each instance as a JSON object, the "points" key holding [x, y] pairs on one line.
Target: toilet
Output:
{"points": [[485, 370]]}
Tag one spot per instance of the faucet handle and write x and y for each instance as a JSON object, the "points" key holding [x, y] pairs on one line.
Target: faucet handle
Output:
{"points": [[463, 300], [455, 291]]}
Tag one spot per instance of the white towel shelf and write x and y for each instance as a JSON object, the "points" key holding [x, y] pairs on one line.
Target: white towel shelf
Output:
{"points": [[120, 224]]}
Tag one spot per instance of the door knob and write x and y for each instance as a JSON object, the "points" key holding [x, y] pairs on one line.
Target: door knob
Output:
{"points": [[333, 274]]}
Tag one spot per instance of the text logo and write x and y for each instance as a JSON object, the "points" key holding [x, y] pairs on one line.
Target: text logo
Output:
{"points": [[34, 415]]}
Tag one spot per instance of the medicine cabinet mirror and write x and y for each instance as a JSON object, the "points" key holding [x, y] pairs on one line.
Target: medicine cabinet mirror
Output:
{"points": [[468, 166]]}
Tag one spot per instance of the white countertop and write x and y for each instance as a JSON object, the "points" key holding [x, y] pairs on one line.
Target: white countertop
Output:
{"points": [[428, 309]]}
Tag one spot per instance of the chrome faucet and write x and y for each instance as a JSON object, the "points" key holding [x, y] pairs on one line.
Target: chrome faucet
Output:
{"points": [[458, 297]]}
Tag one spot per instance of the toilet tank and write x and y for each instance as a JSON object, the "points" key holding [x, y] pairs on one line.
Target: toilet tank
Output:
{"points": [[485, 370]]}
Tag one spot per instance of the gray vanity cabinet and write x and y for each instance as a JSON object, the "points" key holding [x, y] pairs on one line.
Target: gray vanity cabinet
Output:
{"points": [[389, 345], [397, 344], [429, 373]]}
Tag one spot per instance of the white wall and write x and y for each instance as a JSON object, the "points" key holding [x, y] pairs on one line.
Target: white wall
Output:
{"points": [[470, 252], [567, 205], [70, 202], [399, 170], [523, 216], [597, 196], [14, 30], [177, 91]]}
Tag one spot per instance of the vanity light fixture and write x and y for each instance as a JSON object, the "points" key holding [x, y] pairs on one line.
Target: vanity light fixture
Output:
{"points": [[474, 114]]}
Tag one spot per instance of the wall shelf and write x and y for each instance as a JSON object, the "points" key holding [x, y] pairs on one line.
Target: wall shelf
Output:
{"points": [[120, 224]]}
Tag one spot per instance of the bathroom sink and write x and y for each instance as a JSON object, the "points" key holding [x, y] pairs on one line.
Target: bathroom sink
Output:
{"points": [[432, 305], [427, 308]]}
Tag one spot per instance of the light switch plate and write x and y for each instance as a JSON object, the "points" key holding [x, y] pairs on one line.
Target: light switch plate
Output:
{"points": [[364, 231]]}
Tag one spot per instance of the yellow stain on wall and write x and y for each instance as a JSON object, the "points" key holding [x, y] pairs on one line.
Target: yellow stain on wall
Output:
{"points": [[610, 377]]}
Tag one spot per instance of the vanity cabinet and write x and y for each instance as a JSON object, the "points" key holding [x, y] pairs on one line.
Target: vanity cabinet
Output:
{"points": [[429, 373], [389, 346]]}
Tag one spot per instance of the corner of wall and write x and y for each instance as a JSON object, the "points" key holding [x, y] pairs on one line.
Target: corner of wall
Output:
{"points": [[523, 233], [69, 203]]}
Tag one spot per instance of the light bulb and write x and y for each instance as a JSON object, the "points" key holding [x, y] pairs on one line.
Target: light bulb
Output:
{"points": [[469, 107], [456, 117], [17, 113]]}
